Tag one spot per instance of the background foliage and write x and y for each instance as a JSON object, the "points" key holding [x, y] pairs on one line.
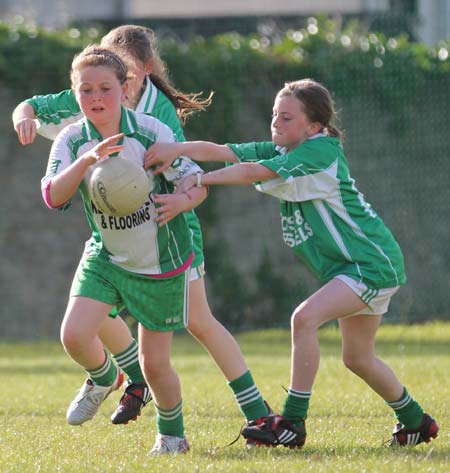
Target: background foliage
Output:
{"points": [[393, 102]]}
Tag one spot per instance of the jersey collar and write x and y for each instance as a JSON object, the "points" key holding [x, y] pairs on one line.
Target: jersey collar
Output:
{"points": [[317, 135], [128, 126], [283, 149], [148, 98]]}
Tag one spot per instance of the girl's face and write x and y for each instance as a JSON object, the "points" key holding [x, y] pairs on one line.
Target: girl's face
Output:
{"points": [[99, 93], [137, 72], [290, 125]]}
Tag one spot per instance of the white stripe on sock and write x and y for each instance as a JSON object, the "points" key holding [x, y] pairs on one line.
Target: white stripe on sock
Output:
{"points": [[300, 394], [242, 397], [169, 415], [102, 370]]}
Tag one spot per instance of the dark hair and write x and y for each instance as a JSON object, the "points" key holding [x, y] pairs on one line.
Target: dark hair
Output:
{"points": [[140, 42], [317, 103], [94, 55]]}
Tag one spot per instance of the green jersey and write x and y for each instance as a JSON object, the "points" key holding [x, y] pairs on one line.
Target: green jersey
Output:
{"points": [[55, 111], [133, 242], [324, 218]]}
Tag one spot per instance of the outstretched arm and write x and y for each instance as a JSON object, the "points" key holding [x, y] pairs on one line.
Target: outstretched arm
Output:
{"points": [[161, 155], [238, 174], [242, 173], [23, 118]]}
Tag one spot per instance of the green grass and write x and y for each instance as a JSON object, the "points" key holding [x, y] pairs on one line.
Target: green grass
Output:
{"points": [[347, 422]]}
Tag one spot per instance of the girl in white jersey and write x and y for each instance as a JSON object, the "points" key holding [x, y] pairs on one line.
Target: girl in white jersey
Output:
{"points": [[135, 262], [150, 91], [331, 227]]}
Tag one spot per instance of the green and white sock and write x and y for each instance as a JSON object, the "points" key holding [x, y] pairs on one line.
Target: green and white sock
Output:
{"points": [[105, 375], [248, 397], [407, 410], [128, 361], [170, 421], [296, 405]]}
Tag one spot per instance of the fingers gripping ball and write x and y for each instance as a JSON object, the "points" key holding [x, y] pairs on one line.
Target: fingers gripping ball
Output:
{"points": [[119, 186]]}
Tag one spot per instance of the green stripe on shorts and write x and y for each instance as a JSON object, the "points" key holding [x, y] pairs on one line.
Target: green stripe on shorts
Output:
{"points": [[368, 295]]}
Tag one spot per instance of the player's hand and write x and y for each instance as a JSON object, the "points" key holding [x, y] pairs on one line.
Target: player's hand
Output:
{"points": [[26, 130], [170, 205], [160, 156], [103, 149], [186, 184]]}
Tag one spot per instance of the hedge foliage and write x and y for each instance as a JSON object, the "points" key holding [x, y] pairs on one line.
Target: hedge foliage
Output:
{"points": [[241, 69], [34, 60]]}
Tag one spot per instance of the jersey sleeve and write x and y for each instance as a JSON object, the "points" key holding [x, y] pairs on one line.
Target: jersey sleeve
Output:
{"points": [[60, 158], [54, 112], [254, 152], [308, 172]]}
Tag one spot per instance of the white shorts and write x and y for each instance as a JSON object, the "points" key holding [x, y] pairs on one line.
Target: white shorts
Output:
{"points": [[197, 272], [377, 300]]}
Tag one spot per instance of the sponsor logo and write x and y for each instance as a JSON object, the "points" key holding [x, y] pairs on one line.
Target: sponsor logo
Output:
{"points": [[296, 230]]}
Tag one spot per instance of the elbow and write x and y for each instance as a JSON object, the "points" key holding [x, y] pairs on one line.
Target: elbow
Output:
{"points": [[46, 196]]}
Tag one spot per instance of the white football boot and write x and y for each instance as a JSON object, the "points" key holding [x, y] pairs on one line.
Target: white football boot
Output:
{"points": [[88, 400], [169, 444]]}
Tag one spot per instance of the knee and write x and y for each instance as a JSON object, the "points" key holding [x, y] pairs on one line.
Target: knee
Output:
{"points": [[195, 328], [153, 366], [301, 319], [203, 324], [71, 339], [355, 364]]}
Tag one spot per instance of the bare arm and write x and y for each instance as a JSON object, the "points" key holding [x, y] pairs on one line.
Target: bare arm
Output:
{"points": [[173, 204], [66, 183], [162, 155], [23, 119], [238, 174], [242, 173]]}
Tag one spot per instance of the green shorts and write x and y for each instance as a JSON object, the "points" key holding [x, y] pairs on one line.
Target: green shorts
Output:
{"points": [[157, 303], [196, 237], [194, 273]]}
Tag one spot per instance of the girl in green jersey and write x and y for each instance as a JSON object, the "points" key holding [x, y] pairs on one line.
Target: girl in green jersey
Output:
{"points": [[131, 260], [331, 227], [150, 91]]}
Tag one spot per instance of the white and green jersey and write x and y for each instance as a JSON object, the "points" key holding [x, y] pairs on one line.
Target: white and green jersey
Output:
{"points": [[56, 111], [134, 242], [324, 218]]}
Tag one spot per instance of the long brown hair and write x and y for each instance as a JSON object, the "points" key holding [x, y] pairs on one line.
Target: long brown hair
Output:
{"points": [[140, 42], [317, 103]]}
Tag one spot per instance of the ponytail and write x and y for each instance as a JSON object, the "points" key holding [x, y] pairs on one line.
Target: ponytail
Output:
{"points": [[140, 43], [331, 130]]}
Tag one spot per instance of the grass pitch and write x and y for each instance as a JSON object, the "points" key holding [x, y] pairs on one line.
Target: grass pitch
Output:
{"points": [[347, 422]]}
